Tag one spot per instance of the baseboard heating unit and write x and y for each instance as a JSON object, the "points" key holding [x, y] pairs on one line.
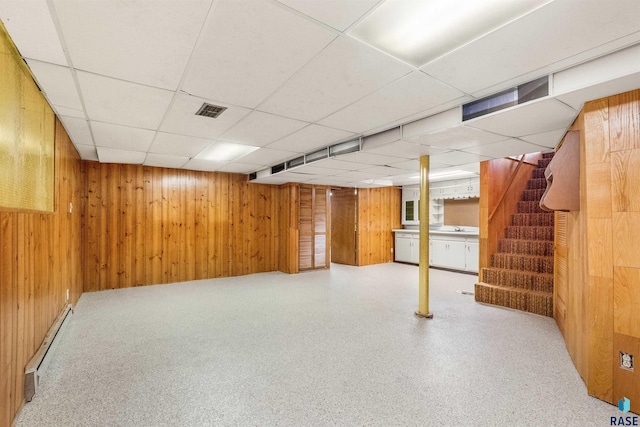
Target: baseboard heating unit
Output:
{"points": [[38, 364]]}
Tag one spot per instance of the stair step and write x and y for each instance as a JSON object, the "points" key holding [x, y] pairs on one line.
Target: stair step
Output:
{"points": [[537, 184], [519, 299], [543, 163], [530, 207], [548, 155], [532, 195], [531, 263], [529, 233], [525, 247], [532, 219], [538, 173], [542, 282]]}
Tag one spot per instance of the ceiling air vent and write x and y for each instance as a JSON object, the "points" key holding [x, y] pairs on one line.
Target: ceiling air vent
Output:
{"points": [[277, 168], [210, 110], [507, 98]]}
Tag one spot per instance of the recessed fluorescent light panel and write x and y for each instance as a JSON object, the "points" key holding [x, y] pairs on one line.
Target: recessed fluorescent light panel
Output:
{"points": [[225, 151], [419, 31]]}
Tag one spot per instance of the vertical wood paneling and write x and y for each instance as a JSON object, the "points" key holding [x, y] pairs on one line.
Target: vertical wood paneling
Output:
{"points": [[164, 225], [600, 286], [287, 212], [40, 258], [378, 212]]}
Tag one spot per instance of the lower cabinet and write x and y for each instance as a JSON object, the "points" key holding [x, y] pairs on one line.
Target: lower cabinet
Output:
{"points": [[446, 251], [454, 252], [407, 248]]}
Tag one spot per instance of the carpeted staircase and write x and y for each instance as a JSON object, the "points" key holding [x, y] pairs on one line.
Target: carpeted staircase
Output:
{"points": [[521, 272]]}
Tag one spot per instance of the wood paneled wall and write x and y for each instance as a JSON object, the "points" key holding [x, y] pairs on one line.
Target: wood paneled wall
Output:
{"points": [[378, 214], [495, 177], [149, 225], [601, 290], [40, 258]]}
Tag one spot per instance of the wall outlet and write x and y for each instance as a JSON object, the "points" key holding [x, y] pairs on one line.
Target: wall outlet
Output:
{"points": [[626, 361], [67, 295]]}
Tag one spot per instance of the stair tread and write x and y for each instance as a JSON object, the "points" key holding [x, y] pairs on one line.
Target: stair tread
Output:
{"points": [[510, 289], [528, 273]]}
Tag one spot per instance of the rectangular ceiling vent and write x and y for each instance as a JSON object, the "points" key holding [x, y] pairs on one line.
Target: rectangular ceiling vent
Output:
{"points": [[277, 168], [210, 110], [507, 98]]}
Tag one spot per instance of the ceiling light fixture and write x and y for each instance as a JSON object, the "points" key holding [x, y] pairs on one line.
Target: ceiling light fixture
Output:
{"points": [[225, 151], [441, 175], [419, 31]]}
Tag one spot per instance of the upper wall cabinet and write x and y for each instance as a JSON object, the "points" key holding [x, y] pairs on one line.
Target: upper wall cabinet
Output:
{"points": [[456, 189]]}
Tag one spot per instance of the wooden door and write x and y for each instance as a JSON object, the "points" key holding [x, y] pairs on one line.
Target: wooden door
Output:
{"points": [[343, 226], [314, 239]]}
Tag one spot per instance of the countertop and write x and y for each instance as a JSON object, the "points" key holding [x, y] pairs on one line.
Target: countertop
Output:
{"points": [[439, 232]]}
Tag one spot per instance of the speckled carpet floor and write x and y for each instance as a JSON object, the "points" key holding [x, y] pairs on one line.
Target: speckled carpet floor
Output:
{"points": [[338, 347]]}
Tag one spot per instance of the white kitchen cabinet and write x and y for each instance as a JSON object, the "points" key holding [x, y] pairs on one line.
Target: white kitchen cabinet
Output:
{"points": [[472, 255], [407, 247], [403, 248]]}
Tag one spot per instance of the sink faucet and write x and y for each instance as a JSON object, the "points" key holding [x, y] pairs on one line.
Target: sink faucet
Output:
{"points": [[458, 229]]}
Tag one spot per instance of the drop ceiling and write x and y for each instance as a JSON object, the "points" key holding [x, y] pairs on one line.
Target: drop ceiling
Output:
{"points": [[127, 78]]}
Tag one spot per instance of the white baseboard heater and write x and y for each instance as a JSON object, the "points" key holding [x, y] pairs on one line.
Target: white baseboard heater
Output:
{"points": [[39, 362]]}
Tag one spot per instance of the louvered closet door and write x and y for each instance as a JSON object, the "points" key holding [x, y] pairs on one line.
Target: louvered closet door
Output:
{"points": [[314, 241]]}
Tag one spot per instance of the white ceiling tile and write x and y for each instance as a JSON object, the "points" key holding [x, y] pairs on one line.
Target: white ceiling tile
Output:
{"points": [[434, 123], [203, 165], [339, 14], [139, 41], [77, 129], [548, 139], [181, 117], [577, 98], [383, 171], [122, 137], [178, 145], [404, 97], [248, 49], [315, 170], [297, 177], [309, 138], [329, 180], [260, 129], [509, 147], [339, 164], [236, 167], [113, 155], [458, 137], [71, 112], [87, 152], [412, 165], [454, 158], [343, 73], [271, 180], [354, 176], [116, 101], [370, 158], [267, 157], [32, 30], [533, 117], [165, 161], [406, 150], [535, 41], [61, 88]]}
